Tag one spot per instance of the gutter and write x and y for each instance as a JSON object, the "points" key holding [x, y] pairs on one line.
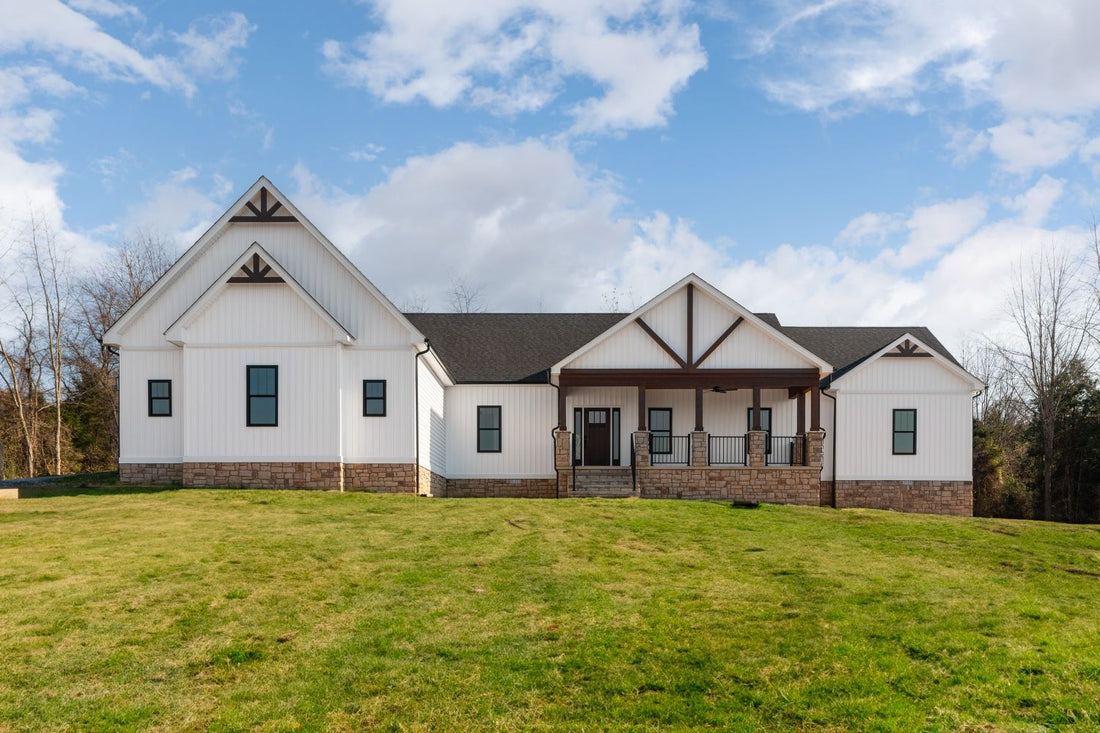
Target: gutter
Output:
{"points": [[833, 398], [416, 410]]}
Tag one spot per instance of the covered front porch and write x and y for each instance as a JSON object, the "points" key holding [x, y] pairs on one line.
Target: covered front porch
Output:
{"points": [[737, 434]]}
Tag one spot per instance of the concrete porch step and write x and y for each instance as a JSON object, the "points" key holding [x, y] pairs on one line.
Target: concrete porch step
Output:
{"points": [[613, 482]]}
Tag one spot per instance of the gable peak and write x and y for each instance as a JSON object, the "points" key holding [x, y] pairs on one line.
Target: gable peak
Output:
{"points": [[263, 207]]}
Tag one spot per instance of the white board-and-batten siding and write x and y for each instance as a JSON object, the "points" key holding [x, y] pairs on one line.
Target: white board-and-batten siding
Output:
{"points": [[294, 248], [433, 420], [145, 439], [866, 401], [528, 415]]}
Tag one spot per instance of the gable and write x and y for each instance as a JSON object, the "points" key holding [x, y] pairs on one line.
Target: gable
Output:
{"points": [[908, 366], [695, 325], [250, 314], [266, 217]]}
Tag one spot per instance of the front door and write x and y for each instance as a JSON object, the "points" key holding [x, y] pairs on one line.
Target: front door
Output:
{"points": [[597, 436]]}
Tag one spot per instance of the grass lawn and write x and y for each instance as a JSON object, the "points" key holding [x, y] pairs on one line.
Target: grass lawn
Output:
{"points": [[227, 610]]}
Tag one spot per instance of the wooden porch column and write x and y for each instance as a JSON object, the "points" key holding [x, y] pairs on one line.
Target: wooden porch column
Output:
{"points": [[801, 414], [699, 409], [815, 407], [641, 408], [561, 409], [755, 409]]}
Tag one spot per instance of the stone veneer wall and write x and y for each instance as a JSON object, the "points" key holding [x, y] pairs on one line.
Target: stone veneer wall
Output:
{"points": [[381, 478], [150, 474], [264, 475], [771, 484], [925, 497], [519, 488], [430, 483]]}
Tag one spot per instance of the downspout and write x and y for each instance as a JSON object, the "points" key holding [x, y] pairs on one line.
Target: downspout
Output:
{"points": [[833, 398], [416, 409], [554, 441]]}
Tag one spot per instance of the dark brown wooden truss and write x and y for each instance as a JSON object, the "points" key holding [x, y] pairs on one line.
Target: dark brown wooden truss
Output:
{"points": [[265, 212], [690, 363], [906, 349], [258, 273]]}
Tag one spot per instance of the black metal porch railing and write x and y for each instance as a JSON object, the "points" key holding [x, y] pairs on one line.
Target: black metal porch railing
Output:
{"points": [[785, 450], [669, 449], [727, 450]]}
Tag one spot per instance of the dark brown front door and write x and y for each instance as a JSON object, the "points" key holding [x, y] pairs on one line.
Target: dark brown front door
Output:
{"points": [[597, 436]]}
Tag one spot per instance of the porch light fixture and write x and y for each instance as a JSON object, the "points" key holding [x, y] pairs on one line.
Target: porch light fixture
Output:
{"points": [[719, 390]]}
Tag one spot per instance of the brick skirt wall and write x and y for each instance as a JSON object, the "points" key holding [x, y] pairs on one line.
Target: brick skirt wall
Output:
{"points": [[150, 474], [771, 484], [380, 478], [518, 488], [925, 497], [264, 475]]}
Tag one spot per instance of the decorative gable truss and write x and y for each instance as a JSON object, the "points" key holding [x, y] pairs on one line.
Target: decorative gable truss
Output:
{"points": [[263, 208], [671, 322], [254, 266], [259, 272]]}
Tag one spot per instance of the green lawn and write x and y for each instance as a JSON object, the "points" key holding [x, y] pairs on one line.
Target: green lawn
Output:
{"points": [[228, 610]]}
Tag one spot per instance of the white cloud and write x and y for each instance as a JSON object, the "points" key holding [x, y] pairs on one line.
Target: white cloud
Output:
{"points": [[210, 45], [515, 56], [76, 40], [1034, 61], [1031, 58], [1027, 145], [366, 153], [533, 225], [106, 8]]}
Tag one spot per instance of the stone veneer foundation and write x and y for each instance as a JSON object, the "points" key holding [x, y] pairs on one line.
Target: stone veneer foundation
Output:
{"points": [[150, 474], [519, 488], [430, 483], [381, 478], [264, 475], [925, 497], [771, 484]]}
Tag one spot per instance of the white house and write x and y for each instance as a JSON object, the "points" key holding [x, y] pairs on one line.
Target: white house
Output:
{"points": [[265, 358]]}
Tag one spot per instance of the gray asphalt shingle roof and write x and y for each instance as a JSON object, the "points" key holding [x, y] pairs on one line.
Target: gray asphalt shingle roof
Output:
{"points": [[521, 347]]}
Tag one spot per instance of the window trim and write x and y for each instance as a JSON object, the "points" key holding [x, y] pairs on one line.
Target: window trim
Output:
{"points": [[894, 432], [149, 388], [383, 398], [499, 429], [249, 395], [649, 423]]}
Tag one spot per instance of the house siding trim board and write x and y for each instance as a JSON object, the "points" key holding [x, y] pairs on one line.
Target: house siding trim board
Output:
{"points": [[692, 352]]}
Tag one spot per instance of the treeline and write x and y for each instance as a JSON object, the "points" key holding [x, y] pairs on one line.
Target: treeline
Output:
{"points": [[1037, 425], [58, 382]]}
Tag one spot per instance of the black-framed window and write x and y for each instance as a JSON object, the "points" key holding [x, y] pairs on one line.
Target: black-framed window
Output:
{"points": [[765, 419], [660, 430], [616, 437], [160, 398], [488, 428], [905, 432], [263, 395], [578, 443], [374, 398]]}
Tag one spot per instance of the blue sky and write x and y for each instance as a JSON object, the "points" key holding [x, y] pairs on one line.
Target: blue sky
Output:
{"points": [[862, 162]]}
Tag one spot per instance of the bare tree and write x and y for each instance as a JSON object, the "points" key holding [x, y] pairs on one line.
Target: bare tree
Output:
{"points": [[465, 298], [104, 294], [50, 270], [1054, 318], [22, 372]]}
